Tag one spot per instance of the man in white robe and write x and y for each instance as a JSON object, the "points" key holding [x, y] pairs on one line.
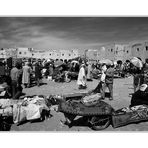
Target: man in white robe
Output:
{"points": [[82, 77]]}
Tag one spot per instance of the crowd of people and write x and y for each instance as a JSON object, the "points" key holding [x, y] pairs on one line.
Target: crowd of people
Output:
{"points": [[24, 74], [140, 75]]}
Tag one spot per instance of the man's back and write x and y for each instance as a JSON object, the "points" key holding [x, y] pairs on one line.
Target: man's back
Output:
{"points": [[109, 75], [14, 74]]}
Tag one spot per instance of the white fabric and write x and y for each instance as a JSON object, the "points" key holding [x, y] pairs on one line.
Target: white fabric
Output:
{"points": [[103, 75]]}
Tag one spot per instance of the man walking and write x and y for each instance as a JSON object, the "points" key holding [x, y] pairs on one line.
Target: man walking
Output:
{"points": [[82, 77]]}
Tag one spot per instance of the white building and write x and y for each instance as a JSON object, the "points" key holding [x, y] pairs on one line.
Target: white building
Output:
{"points": [[92, 54], [60, 54], [24, 52]]}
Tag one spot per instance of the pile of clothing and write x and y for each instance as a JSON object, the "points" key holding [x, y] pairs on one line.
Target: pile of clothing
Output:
{"points": [[30, 108]]}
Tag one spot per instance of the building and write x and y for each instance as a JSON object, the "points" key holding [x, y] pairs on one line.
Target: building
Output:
{"points": [[10, 52], [55, 54], [119, 52], [24, 52], [127, 52], [61, 54], [91, 54], [114, 52]]}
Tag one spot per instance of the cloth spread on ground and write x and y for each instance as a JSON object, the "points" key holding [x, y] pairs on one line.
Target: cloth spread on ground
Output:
{"points": [[128, 115]]}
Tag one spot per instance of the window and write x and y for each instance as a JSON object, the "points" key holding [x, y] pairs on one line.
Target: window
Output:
{"points": [[20, 52], [111, 50], [137, 49], [146, 48], [32, 54], [127, 51], [24, 52], [62, 54], [50, 54], [69, 54]]}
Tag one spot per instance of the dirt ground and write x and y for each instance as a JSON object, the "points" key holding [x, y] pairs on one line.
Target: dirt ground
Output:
{"points": [[122, 89]]}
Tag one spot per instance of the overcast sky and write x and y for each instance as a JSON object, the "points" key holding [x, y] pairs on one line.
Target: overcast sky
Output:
{"points": [[70, 32]]}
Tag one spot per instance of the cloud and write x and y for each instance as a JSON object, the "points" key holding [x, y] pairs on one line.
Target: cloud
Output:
{"points": [[70, 32]]}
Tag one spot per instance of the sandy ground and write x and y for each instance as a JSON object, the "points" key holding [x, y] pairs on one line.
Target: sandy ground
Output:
{"points": [[122, 89]]}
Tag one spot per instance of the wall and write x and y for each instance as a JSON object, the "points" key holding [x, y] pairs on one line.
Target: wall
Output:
{"points": [[24, 53], [92, 54], [119, 52]]}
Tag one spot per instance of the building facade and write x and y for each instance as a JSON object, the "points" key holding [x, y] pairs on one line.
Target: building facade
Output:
{"points": [[24, 52]]}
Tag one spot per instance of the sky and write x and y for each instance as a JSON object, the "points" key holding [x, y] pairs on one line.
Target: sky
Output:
{"points": [[70, 32]]}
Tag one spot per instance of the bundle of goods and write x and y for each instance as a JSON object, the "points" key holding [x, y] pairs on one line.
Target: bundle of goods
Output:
{"points": [[89, 105], [31, 108], [90, 100], [129, 115], [28, 109]]}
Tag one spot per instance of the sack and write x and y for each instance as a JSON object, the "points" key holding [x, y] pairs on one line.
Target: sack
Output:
{"points": [[91, 99]]}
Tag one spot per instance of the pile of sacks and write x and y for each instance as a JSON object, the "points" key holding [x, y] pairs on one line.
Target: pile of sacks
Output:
{"points": [[30, 108]]}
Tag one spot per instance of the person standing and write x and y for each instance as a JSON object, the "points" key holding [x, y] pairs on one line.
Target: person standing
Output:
{"points": [[15, 79], [26, 75], [89, 72], [102, 81], [145, 71], [109, 80], [82, 77], [38, 74]]}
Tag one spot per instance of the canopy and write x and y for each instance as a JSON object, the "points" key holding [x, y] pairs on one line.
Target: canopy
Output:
{"points": [[136, 62]]}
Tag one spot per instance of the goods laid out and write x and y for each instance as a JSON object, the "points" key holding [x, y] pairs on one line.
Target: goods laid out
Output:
{"points": [[28, 109], [96, 113]]}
